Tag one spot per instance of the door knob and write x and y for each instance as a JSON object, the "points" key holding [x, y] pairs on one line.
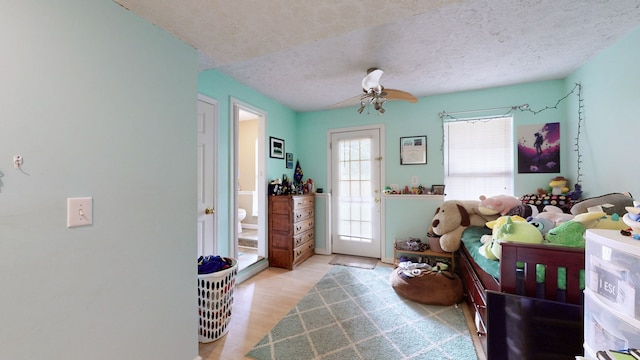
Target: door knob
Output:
{"points": [[209, 211]]}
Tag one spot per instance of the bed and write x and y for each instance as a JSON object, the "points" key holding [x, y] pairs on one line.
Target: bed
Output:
{"points": [[541, 271]]}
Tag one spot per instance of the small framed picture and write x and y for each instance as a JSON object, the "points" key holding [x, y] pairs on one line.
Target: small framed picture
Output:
{"points": [[289, 160], [276, 148], [437, 189], [413, 150]]}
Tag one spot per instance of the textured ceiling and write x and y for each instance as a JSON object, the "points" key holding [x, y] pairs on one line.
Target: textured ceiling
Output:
{"points": [[310, 55]]}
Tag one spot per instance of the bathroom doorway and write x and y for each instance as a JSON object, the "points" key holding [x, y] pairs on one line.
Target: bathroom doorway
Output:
{"points": [[249, 185]]}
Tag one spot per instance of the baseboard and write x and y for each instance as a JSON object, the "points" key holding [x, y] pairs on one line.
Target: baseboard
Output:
{"points": [[322, 251], [197, 358], [252, 270], [250, 226]]}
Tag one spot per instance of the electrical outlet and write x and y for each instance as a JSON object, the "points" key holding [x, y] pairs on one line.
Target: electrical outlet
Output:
{"points": [[414, 180], [79, 211]]}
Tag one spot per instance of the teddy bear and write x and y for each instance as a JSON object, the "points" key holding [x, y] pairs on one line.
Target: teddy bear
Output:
{"points": [[452, 217], [498, 204]]}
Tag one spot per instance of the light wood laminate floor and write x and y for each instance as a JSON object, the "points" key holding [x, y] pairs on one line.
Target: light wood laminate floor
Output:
{"points": [[261, 301]]}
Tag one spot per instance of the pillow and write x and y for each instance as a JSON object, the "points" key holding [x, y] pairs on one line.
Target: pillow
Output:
{"points": [[540, 201], [618, 200]]}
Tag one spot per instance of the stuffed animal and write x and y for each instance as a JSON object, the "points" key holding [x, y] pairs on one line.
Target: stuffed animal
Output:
{"points": [[515, 231], [497, 205], [576, 194], [558, 185], [451, 219], [611, 222], [542, 224], [555, 214], [571, 233], [495, 224]]}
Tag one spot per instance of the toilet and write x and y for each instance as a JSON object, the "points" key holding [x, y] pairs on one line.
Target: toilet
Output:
{"points": [[242, 213]]}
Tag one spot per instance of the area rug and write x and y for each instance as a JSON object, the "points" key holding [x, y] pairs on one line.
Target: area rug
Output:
{"points": [[354, 261], [353, 313]]}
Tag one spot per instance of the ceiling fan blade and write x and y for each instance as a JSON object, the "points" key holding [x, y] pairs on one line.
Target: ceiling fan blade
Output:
{"points": [[372, 79], [350, 101], [393, 94]]}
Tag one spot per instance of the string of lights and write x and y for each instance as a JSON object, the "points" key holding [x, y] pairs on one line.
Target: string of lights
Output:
{"points": [[448, 116]]}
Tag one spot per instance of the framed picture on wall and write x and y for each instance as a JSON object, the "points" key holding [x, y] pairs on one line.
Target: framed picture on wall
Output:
{"points": [[437, 189], [289, 160], [413, 150], [276, 148]]}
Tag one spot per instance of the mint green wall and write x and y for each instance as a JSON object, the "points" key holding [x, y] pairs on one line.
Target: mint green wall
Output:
{"points": [[280, 124], [99, 103], [611, 125], [422, 118], [609, 81]]}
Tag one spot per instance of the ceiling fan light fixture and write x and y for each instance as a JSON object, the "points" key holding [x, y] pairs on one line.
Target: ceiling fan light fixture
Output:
{"points": [[373, 93]]}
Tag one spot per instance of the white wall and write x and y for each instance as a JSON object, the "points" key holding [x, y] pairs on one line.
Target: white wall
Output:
{"points": [[99, 103]]}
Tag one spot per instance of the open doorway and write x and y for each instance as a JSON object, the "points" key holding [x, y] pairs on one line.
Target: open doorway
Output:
{"points": [[249, 184]]}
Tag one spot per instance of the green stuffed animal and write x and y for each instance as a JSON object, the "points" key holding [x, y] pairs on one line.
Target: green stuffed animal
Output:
{"points": [[571, 233], [515, 231]]}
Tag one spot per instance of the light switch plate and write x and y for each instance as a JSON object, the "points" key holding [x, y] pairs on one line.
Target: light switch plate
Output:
{"points": [[414, 180], [79, 211]]}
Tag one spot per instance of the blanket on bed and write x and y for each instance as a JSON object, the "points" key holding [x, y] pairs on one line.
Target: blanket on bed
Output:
{"points": [[471, 240]]}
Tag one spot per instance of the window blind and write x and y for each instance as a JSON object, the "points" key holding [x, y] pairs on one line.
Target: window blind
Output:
{"points": [[478, 157]]}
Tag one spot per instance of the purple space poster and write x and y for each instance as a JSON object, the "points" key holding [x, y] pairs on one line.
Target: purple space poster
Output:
{"points": [[539, 148]]}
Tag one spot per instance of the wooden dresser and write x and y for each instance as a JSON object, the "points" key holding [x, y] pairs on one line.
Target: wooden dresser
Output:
{"points": [[291, 231]]}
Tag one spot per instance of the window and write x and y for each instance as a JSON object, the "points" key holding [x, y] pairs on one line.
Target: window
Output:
{"points": [[478, 157]]}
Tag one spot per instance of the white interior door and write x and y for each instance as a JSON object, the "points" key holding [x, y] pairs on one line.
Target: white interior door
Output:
{"points": [[207, 110], [355, 192]]}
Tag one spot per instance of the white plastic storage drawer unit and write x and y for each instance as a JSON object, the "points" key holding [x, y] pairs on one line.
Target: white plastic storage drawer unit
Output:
{"points": [[613, 270], [605, 329]]}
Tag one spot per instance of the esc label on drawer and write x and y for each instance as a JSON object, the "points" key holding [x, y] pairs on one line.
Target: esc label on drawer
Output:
{"points": [[612, 283]]}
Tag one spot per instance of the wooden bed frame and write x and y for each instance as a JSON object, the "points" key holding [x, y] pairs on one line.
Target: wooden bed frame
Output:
{"points": [[476, 281]]}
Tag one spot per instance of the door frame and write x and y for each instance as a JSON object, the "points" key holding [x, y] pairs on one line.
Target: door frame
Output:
{"points": [[234, 105], [383, 150], [215, 204]]}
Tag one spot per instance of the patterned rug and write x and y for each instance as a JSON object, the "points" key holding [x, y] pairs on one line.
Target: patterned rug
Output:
{"points": [[353, 313]]}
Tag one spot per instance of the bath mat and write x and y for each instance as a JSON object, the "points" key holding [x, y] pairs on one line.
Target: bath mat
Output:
{"points": [[354, 261]]}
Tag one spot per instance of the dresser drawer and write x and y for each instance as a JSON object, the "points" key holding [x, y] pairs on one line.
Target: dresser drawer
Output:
{"points": [[302, 214], [302, 226], [300, 202], [303, 238], [304, 251]]}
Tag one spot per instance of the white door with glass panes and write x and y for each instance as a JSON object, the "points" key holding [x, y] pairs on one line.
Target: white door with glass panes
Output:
{"points": [[355, 192]]}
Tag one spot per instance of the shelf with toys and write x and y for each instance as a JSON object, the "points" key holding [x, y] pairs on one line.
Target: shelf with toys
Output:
{"points": [[422, 252]]}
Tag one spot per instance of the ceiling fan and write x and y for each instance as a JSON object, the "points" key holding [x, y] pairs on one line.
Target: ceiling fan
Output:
{"points": [[376, 94]]}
